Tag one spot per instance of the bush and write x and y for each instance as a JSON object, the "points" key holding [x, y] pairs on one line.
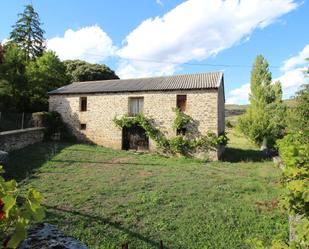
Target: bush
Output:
{"points": [[228, 124], [54, 124], [17, 212], [180, 144], [294, 151]]}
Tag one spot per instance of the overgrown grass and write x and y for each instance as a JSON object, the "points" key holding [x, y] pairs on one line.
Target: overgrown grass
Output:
{"points": [[105, 197]]}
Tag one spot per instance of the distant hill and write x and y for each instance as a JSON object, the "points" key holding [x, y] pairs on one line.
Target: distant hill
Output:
{"points": [[235, 110]]}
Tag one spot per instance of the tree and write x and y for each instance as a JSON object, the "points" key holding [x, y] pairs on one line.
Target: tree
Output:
{"points": [[298, 116], [264, 120], [294, 151], [1, 53], [78, 70], [44, 74], [13, 83], [24, 84], [260, 82], [28, 34]]}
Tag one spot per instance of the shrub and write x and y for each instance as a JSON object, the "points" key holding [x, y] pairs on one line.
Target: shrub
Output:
{"points": [[16, 212], [294, 151], [228, 123], [180, 144], [54, 124]]}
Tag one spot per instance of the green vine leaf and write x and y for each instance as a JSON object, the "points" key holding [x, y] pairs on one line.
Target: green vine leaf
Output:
{"points": [[179, 144], [9, 202]]}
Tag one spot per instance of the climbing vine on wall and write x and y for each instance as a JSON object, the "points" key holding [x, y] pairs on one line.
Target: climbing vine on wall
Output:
{"points": [[179, 144], [182, 120]]}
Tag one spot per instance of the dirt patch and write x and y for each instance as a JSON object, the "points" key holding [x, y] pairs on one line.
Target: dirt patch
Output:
{"points": [[120, 160], [267, 205], [144, 173]]}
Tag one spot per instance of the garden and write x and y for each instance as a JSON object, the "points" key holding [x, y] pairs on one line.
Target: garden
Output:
{"points": [[106, 198]]}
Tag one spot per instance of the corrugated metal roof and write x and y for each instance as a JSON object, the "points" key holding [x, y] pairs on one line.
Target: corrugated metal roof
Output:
{"points": [[165, 83]]}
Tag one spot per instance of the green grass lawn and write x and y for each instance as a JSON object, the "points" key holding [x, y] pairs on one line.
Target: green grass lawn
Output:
{"points": [[105, 197]]}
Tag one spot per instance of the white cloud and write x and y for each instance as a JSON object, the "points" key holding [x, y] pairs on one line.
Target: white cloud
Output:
{"points": [[195, 30], [239, 95], [293, 72], [89, 43], [297, 60], [291, 79]]}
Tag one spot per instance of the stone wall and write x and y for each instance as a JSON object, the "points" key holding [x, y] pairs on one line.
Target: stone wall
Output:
{"points": [[202, 106], [221, 110], [18, 139]]}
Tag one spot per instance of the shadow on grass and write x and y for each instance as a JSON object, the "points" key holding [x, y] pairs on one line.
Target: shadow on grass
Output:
{"points": [[52, 214], [23, 163], [106, 162], [234, 155]]}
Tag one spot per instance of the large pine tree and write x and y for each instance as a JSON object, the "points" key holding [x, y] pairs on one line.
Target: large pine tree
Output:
{"points": [[28, 34]]}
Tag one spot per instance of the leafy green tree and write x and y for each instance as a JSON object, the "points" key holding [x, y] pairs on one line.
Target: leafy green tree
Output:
{"points": [[78, 70], [260, 82], [1, 53], [294, 151], [264, 120], [24, 84], [298, 116], [28, 34], [12, 79], [44, 74]]}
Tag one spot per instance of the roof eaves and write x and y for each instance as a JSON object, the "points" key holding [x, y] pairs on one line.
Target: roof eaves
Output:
{"points": [[130, 91], [219, 80]]}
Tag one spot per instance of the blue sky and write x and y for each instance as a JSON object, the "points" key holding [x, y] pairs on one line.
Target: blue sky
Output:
{"points": [[151, 37]]}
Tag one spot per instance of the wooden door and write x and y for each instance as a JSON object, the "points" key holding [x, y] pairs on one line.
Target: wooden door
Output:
{"points": [[134, 138]]}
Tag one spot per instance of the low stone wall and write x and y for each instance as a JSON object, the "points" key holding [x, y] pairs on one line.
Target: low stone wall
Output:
{"points": [[18, 139]]}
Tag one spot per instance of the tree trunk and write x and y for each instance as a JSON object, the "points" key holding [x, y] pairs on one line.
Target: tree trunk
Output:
{"points": [[264, 144]]}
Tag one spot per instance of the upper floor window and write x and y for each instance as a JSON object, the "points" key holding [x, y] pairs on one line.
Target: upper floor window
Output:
{"points": [[182, 102], [83, 104], [136, 105]]}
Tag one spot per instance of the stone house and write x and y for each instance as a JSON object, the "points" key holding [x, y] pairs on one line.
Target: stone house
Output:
{"points": [[90, 107]]}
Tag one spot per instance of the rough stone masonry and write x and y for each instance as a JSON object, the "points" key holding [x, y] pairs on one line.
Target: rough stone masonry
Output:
{"points": [[205, 106]]}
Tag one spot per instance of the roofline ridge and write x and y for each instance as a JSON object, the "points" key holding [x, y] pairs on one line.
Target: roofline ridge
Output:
{"points": [[201, 80], [152, 77]]}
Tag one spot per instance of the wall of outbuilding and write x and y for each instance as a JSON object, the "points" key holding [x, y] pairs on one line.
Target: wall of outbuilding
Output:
{"points": [[202, 105]]}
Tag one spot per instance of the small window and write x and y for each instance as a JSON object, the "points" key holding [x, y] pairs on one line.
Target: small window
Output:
{"points": [[136, 105], [182, 102], [83, 104], [83, 126]]}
